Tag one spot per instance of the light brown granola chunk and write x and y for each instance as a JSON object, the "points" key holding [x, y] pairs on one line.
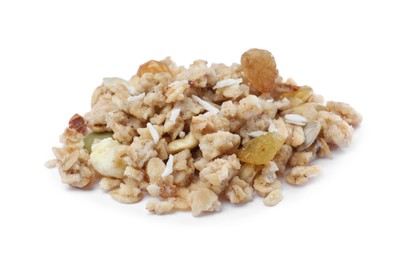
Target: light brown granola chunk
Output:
{"points": [[219, 172], [216, 144], [336, 130], [301, 174], [183, 168], [202, 200], [239, 191], [73, 165], [300, 158], [199, 74], [346, 112], [208, 123], [249, 107], [140, 151]]}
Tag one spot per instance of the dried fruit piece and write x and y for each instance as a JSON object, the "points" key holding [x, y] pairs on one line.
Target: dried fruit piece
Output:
{"points": [[299, 96], [90, 138], [153, 67], [262, 149], [259, 68]]}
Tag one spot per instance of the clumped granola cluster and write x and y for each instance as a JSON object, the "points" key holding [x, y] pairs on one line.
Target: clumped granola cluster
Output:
{"points": [[194, 137]]}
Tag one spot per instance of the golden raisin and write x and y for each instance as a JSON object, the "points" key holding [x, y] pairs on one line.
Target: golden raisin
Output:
{"points": [[153, 67], [262, 149], [259, 68]]}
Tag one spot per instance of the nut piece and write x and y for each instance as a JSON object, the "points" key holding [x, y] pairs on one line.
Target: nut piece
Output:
{"points": [[301, 174], [273, 198], [188, 142], [203, 200], [259, 68], [77, 122], [105, 158]]}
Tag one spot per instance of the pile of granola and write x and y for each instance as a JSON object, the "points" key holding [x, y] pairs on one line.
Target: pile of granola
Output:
{"points": [[194, 137]]}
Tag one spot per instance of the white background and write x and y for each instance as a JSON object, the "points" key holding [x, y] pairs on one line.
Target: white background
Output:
{"points": [[54, 53]]}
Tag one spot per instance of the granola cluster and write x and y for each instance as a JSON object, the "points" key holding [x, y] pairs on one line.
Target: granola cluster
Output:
{"points": [[195, 137]]}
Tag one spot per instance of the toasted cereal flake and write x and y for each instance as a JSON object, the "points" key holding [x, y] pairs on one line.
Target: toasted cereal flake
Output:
{"points": [[174, 114], [295, 119], [135, 98], [206, 105], [227, 83], [272, 127], [178, 82], [257, 133], [169, 167], [153, 132]]}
